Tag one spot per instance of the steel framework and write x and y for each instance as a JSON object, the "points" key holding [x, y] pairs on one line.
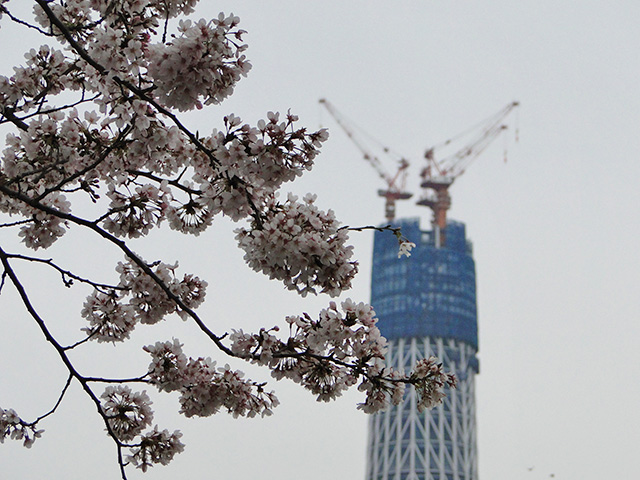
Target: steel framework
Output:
{"points": [[438, 444], [427, 306]]}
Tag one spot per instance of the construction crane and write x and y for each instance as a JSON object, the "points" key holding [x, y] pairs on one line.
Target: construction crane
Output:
{"points": [[395, 183], [438, 175]]}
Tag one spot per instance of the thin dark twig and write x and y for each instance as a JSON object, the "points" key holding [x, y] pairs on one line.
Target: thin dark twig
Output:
{"points": [[84, 340], [64, 273], [14, 224], [3, 9], [56, 109], [397, 231], [164, 30], [371, 227], [55, 407], [118, 380]]}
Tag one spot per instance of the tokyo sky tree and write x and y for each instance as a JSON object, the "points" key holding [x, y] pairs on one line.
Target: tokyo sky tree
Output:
{"points": [[427, 306]]}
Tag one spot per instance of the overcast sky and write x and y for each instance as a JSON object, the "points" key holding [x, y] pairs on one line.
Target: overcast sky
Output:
{"points": [[555, 233]]}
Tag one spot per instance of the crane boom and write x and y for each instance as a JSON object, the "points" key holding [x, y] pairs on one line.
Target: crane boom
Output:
{"points": [[439, 175], [395, 183]]}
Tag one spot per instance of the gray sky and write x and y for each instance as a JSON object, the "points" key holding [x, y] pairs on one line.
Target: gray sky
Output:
{"points": [[554, 230]]}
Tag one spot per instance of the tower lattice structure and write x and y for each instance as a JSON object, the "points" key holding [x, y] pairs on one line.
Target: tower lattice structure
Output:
{"points": [[426, 305]]}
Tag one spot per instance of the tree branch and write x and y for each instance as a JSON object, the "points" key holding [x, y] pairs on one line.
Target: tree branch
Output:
{"points": [[55, 407], [61, 352], [65, 273], [4, 10], [128, 253]]}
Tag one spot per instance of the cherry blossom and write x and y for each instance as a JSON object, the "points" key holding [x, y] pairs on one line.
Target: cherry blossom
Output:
{"points": [[205, 389], [128, 412], [300, 245], [109, 320], [96, 147], [405, 248], [212, 66], [430, 392], [13, 427], [156, 447]]}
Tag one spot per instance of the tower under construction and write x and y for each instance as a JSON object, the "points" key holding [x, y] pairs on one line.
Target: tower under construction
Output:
{"points": [[426, 305]]}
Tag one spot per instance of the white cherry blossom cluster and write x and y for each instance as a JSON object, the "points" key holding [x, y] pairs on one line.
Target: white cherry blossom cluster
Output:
{"points": [[136, 213], [212, 66], [109, 320], [14, 428], [128, 413], [150, 302], [172, 8], [52, 148], [244, 168], [429, 379], [384, 385], [138, 297], [44, 69], [302, 246], [343, 347], [156, 447], [44, 229], [204, 388]]}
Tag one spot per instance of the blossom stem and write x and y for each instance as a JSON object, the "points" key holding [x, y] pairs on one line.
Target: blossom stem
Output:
{"points": [[55, 407]]}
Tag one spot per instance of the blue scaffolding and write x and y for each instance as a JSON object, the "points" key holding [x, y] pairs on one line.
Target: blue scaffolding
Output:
{"points": [[430, 294]]}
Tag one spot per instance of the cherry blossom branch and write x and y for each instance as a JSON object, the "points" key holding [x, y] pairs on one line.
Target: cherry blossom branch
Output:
{"points": [[67, 275], [9, 115], [142, 379], [15, 224], [283, 352], [117, 142], [384, 228], [55, 407], [140, 93], [173, 183], [128, 253], [40, 98], [405, 246], [89, 337], [53, 109], [61, 352], [4, 10]]}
